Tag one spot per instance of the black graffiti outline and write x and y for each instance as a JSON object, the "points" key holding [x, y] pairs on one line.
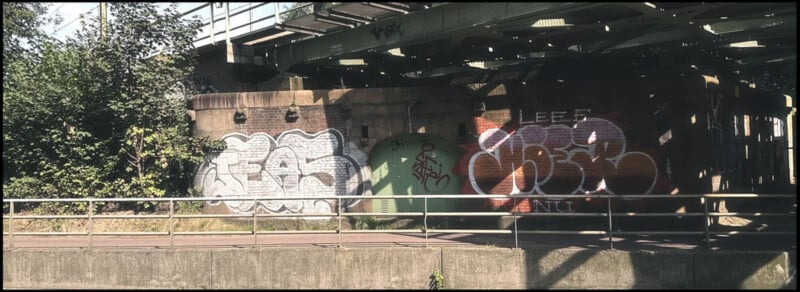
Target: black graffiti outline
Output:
{"points": [[423, 170]]}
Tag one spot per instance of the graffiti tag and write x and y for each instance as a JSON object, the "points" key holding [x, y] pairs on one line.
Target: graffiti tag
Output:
{"points": [[397, 145], [387, 31], [547, 206], [576, 115], [429, 171], [295, 164]]}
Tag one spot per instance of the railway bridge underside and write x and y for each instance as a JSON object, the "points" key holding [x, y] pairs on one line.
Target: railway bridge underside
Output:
{"points": [[396, 98]]}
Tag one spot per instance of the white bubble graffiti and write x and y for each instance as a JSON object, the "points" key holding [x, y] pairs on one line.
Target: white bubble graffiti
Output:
{"points": [[294, 164], [587, 158]]}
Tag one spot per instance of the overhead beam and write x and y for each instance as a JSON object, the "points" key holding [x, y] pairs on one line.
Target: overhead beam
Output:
{"points": [[286, 27], [430, 24], [493, 64], [725, 27], [680, 18], [386, 6], [351, 17], [664, 20], [766, 59], [333, 21], [652, 38], [268, 38], [443, 71], [401, 4]]}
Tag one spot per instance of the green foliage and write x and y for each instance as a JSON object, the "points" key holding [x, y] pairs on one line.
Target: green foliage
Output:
{"points": [[189, 207], [370, 222], [437, 280], [21, 21], [99, 116], [28, 187], [210, 145]]}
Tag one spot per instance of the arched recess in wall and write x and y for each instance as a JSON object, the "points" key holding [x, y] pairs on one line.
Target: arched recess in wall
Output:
{"points": [[414, 164]]}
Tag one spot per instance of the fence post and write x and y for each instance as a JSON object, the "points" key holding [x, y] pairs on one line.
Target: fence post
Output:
{"points": [[250, 16], [425, 221], [212, 24], [11, 225], [610, 230], [227, 24], [516, 241], [91, 224], [171, 224], [339, 215], [277, 13], [255, 231], [704, 201]]}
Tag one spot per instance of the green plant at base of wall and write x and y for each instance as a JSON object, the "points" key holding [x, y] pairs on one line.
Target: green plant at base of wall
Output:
{"points": [[189, 207], [369, 222], [437, 280]]}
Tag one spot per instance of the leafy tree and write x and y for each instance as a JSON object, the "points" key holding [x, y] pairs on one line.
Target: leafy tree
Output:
{"points": [[98, 115], [21, 21], [142, 57], [42, 111], [32, 90]]}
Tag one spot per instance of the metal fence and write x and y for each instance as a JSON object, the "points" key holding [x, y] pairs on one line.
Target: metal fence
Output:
{"points": [[221, 22], [340, 214]]}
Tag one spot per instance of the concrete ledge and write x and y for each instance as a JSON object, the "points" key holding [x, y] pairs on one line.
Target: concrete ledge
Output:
{"points": [[498, 268], [608, 269], [273, 268], [726, 270], [113, 269], [394, 268]]}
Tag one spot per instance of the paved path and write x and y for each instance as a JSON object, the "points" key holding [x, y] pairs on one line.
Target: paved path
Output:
{"points": [[749, 242]]}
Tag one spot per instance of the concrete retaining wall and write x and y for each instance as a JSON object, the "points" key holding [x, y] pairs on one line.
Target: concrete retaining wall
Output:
{"points": [[394, 268]]}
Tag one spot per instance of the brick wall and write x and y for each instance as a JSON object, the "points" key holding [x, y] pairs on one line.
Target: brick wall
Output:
{"points": [[312, 119], [322, 152], [532, 139]]}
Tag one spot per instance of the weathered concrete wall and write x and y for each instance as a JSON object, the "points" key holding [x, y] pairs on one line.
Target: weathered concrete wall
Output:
{"points": [[483, 268], [395, 268], [120, 269], [764, 272], [609, 269]]}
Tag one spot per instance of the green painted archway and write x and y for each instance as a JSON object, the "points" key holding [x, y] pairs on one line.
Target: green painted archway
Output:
{"points": [[414, 164]]}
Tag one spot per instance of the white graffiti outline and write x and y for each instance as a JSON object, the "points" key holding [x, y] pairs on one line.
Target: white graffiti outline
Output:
{"points": [[294, 164], [490, 144]]}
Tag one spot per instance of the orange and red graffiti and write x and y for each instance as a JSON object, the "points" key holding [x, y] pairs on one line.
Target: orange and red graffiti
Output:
{"points": [[589, 157]]}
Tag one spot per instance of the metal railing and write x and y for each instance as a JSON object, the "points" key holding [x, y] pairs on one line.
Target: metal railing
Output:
{"points": [[216, 17], [340, 213]]}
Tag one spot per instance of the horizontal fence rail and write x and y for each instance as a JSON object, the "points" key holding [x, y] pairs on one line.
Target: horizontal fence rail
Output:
{"points": [[220, 20], [11, 205]]}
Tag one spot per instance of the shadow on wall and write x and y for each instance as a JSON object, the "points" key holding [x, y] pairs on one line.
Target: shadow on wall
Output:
{"points": [[550, 269]]}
